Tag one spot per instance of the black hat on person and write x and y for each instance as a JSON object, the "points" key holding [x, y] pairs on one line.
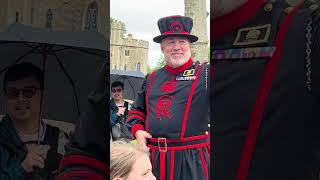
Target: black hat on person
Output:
{"points": [[175, 26]]}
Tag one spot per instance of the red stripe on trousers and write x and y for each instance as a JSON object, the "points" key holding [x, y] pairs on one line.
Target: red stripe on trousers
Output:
{"points": [[261, 99], [204, 164], [186, 112], [162, 165], [171, 165], [152, 159]]}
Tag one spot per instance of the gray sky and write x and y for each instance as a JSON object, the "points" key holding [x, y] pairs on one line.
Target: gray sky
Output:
{"points": [[141, 16]]}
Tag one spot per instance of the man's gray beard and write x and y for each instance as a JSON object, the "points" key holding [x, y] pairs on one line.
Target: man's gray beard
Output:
{"points": [[223, 7]]}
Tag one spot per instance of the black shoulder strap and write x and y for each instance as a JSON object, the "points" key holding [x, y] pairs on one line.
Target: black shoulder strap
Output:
{"points": [[52, 136], [126, 104]]}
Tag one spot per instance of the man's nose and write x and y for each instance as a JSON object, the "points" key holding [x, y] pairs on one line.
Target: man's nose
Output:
{"points": [[176, 46], [21, 97]]}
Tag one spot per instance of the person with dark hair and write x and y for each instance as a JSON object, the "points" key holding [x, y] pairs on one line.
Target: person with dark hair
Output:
{"points": [[28, 148], [121, 107]]}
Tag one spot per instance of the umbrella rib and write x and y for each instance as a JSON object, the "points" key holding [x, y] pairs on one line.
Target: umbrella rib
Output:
{"points": [[34, 49], [104, 55], [134, 93], [71, 82], [19, 59]]}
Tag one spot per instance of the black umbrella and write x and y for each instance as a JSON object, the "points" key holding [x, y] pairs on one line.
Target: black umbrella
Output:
{"points": [[132, 81], [70, 61]]}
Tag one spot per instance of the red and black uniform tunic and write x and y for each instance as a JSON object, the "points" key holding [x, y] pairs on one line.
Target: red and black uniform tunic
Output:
{"points": [[265, 92], [173, 107]]}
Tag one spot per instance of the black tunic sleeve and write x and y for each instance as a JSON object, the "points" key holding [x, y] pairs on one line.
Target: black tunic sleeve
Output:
{"points": [[137, 114]]}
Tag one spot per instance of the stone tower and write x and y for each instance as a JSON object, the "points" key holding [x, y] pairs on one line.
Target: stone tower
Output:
{"points": [[196, 9], [127, 53]]}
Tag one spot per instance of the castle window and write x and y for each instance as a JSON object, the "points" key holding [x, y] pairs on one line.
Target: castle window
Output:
{"points": [[49, 19], [126, 52], [91, 16], [138, 68], [125, 67]]}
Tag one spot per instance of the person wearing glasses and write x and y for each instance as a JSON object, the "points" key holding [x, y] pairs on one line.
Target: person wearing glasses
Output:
{"points": [[21, 156], [121, 107]]}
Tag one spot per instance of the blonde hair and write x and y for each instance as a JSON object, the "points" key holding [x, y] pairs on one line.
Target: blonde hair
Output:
{"points": [[122, 157]]}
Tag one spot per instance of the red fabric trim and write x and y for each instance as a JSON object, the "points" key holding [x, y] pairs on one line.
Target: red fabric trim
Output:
{"points": [[147, 98], [171, 165], [235, 19], [152, 159], [171, 32], [186, 112], [80, 174], [83, 160], [179, 69], [135, 112], [192, 138], [178, 148], [204, 164], [162, 166], [135, 128], [135, 117], [261, 99]]}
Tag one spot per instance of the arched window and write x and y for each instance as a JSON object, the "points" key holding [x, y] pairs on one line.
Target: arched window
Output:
{"points": [[138, 66], [91, 16], [49, 16]]}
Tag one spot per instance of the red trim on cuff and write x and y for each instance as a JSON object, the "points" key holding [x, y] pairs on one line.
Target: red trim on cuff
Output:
{"points": [[80, 174], [135, 128], [135, 112], [136, 117], [83, 160], [179, 69]]}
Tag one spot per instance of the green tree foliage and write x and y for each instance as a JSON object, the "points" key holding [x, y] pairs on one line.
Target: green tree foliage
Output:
{"points": [[161, 62]]}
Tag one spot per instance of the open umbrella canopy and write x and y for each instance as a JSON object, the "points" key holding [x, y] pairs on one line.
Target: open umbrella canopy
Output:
{"points": [[70, 60], [132, 81]]}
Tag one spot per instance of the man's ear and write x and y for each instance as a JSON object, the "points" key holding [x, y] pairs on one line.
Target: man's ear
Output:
{"points": [[161, 47]]}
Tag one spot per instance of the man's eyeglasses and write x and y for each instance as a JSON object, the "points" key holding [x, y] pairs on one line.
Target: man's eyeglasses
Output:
{"points": [[27, 92], [116, 90]]}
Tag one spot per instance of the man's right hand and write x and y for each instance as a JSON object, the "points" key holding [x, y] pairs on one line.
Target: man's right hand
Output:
{"points": [[141, 137], [36, 156]]}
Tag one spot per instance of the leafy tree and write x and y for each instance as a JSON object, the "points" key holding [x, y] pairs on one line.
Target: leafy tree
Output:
{"points": [[161, 62]]}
